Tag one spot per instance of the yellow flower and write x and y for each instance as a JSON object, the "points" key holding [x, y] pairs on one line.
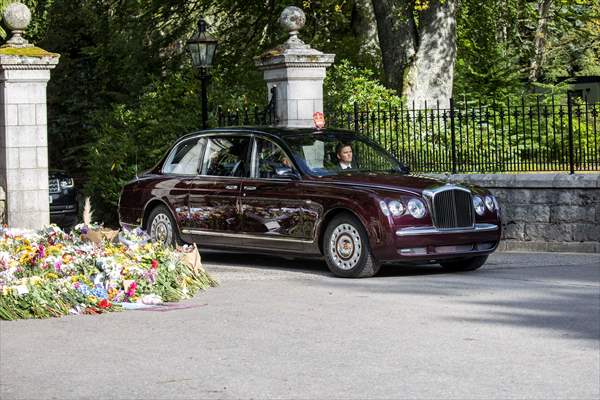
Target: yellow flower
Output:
{"points": [[26, 258], [5, 290], [74, 278], [92, 299], [54, 250], [51, 275], [36, 280]]}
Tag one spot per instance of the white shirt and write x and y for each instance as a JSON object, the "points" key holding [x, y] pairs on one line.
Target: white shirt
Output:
{"points": [[343, 165]]}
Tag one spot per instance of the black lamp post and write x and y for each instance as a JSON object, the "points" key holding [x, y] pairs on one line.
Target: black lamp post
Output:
{"points": [[202, 47]]}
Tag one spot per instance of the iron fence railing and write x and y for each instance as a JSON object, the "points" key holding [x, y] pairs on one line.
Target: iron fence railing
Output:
{"points": [[250, 116], [543, 134], [539, 135]]}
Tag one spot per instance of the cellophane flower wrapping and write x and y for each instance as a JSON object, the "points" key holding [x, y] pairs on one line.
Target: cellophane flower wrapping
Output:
{"points": [[50, 273]]}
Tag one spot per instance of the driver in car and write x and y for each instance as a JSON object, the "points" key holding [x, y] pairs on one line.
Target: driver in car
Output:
{"points": [[344, 155]]}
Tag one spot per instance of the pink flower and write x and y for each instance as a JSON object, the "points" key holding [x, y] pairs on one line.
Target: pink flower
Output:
{"points": [[131, 289]]}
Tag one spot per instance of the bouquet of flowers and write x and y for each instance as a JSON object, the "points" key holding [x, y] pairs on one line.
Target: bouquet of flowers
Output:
{"points": [[51, 273]]}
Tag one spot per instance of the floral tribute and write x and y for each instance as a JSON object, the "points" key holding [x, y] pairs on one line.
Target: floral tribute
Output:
{"points": [[50, 273]]}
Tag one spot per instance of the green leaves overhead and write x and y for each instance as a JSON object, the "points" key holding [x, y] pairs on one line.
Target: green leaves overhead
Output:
{"points": [[124, 87]]}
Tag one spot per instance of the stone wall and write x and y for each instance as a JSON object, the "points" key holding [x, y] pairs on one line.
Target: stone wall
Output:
{"points": [[545, 212]]}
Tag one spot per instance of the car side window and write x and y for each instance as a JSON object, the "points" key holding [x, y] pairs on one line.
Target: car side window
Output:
{"points": [[226, 156], [269, 159], [185, 159]]}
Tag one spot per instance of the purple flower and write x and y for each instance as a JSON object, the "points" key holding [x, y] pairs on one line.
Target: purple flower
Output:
{"points": [[41, 251]]}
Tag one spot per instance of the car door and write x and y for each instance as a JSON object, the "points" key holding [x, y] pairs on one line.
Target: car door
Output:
{"points": [[214, 194], [180, 169], [272, 212]]}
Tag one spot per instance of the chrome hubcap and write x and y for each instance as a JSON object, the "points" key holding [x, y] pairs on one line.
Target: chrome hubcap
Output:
{"points": [[345, 246], [161, 230]]}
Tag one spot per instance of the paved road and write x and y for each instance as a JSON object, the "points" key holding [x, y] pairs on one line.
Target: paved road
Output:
{"points": [[525, 326]]}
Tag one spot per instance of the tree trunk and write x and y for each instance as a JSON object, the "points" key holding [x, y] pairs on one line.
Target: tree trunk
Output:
{"points": [[364, 27], [397, 32], [431, 76], [537, 61], [419, 63]]}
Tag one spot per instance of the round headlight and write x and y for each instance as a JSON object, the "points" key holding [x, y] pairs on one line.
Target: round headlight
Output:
{"points": [[489, 202], [416, 208], [396, 208], [478, 205], [384, 208]]}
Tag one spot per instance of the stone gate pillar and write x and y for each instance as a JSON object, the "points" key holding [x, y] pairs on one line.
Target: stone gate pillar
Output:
{"points": [[24, 73], [297, 71]]}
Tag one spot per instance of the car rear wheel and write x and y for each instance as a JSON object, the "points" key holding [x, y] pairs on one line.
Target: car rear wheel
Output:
{"points": [[464, 264], [346, 248], [161, 227]]}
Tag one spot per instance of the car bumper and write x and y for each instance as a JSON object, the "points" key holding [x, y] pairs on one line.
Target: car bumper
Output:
{"points": [[63, 214], [430, 243]]}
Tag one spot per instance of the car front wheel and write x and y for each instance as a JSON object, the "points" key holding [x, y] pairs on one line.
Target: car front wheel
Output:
{"points": [[346, 248], [464, 264], [161, 227]]}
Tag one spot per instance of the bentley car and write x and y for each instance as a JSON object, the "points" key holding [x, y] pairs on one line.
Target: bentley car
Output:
{"points": [[309, 193]]}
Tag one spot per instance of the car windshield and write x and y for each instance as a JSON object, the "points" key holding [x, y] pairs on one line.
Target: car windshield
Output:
{"points": [[335, 153]]}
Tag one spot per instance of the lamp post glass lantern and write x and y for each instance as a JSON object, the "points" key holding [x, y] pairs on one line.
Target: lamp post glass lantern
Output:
{"points": [[202, 46]]}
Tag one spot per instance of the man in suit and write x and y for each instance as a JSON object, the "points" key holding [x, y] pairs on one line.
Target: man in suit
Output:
{"points": [[344, 155]]}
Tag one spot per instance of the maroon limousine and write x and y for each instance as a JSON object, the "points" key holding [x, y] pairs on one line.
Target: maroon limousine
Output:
{"points": [[307, 192]]}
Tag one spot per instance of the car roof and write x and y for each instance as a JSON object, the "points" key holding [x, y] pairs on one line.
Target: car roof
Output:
{"points": [[275, 131]]}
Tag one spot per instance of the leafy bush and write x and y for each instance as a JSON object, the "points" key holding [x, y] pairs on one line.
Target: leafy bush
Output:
{"points": [[346, 84], [131, 139]]}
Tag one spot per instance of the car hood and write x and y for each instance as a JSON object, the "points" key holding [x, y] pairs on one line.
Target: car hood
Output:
{"points": [[392, 181]]}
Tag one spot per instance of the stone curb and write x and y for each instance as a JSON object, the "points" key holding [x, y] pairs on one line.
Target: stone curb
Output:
{"points": [[562, 247]]}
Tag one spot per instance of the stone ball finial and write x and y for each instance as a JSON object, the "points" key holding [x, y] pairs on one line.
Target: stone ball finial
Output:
{"points": [[292, 19], [17, 18]]}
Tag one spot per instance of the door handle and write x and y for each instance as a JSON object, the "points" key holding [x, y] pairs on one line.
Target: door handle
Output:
{"points": [[249, 187], [231, 187]]}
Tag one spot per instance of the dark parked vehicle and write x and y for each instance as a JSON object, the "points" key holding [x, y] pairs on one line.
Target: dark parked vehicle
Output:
{"points": [[63, 199], [310, 192]]}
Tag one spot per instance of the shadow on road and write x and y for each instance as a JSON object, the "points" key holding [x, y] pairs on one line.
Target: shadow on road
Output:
{"points": [[553, 293], [558, 300]]}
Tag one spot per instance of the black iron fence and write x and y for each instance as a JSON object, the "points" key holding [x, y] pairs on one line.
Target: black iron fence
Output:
{"points": [[250, 116], [542, 135]]}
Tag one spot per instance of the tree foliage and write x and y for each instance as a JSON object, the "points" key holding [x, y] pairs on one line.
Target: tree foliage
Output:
{"points": [[124, 87]]}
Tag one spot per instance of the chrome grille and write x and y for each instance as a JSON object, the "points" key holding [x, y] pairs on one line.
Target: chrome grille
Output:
{"points": [[452, 208], [53, 186]]}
